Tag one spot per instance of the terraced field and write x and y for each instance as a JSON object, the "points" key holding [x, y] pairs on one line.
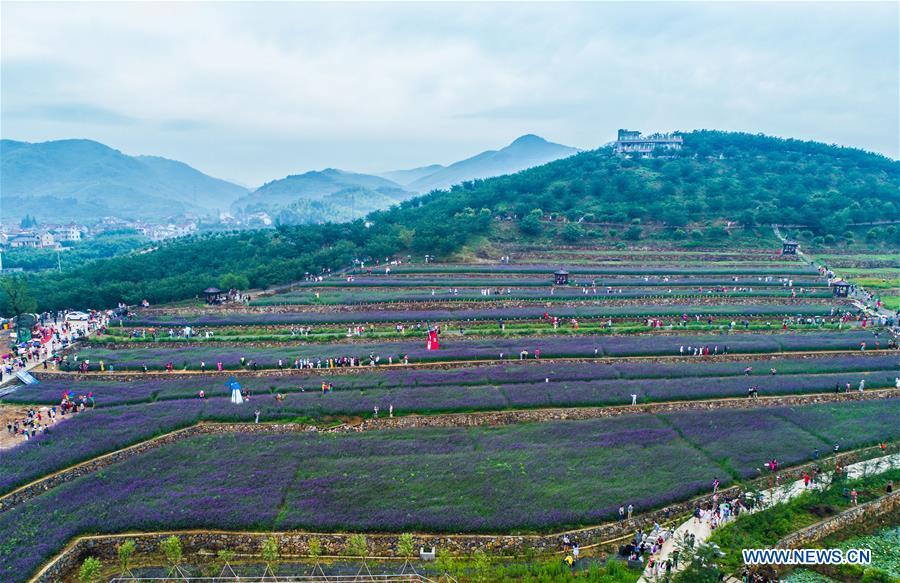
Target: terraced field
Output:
{"points": [[684, 334], [508, 479]]}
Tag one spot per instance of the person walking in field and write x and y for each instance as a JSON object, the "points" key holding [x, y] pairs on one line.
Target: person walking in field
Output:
{"points": [[633, 399]]}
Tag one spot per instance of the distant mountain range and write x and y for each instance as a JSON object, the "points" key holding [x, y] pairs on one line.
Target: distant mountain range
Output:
{"points": [[319, 196], [526, 152], [79, 179], [337, 195], [83, 179]]}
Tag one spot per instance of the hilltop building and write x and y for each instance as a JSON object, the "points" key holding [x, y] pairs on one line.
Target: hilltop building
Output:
{"points": [[632, 142]]}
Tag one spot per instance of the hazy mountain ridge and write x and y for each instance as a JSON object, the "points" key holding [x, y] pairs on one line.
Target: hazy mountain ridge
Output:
{"points": [[405, 177], [76, 179], [346, 193], [525, 152], [73, 178], [349, 195]]}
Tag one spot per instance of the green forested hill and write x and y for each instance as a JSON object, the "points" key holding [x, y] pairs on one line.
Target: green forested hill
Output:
{"points": [[739, 177]]}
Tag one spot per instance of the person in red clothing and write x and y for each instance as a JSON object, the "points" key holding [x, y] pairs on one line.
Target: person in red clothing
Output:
{"points": [[806, 480]]}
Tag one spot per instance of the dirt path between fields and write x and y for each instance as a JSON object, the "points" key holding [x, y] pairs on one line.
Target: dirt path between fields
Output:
{"points": [[11, 413]]}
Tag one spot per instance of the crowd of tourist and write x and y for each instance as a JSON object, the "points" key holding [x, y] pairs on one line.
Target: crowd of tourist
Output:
{"points": [[50, 335], [37, 422]]}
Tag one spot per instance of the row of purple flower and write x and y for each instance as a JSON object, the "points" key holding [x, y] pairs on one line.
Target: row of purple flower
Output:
{"points": [[799, 308], [552, 389], [484, 349]]}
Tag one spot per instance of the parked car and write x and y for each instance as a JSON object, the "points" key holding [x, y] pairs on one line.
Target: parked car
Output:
{"points": [[76, 316]]}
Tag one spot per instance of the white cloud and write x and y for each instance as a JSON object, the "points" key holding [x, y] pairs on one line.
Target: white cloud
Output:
{"points": [[257, 91]]}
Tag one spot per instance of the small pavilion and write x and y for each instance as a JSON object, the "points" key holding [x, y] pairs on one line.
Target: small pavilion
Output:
{"points": [[213, 295], [840, 288]]}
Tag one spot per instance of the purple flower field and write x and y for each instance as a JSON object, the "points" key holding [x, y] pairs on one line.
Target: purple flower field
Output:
{"points": [[777, 268], [847, 427], [762, 435], [478, 314], [267, 357], [504, 280], [788, 434], [371, 296], [512, 478], [104, 429], [109, 393], [90, 434]]}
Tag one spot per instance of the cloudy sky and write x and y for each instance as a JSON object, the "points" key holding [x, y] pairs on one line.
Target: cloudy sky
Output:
{"points": [[255, 92]]}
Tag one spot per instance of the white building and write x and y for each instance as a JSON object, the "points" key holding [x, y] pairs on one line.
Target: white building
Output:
{"points": [[25, 240], [67, 233], [632, 142], [47, 241], [170, 231]]}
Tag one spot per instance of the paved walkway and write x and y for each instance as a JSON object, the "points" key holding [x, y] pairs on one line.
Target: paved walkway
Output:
{"points": [[51, 347], [702, 531]]}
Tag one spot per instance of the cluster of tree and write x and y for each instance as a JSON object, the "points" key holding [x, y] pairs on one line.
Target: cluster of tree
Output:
{"points": [[182, 268], [751, 179], [28, 222]]}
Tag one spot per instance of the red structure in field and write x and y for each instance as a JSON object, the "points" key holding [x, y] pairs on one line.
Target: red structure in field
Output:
{"points": [[432, 343]]}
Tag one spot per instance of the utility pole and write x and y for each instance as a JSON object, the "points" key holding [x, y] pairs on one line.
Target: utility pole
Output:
{"points": [[58, 262]]}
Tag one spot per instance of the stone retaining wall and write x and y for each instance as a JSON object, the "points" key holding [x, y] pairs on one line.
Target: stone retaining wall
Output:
{"points": [[846, 574], [853, 516], [543, 415], [489, 418]]}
